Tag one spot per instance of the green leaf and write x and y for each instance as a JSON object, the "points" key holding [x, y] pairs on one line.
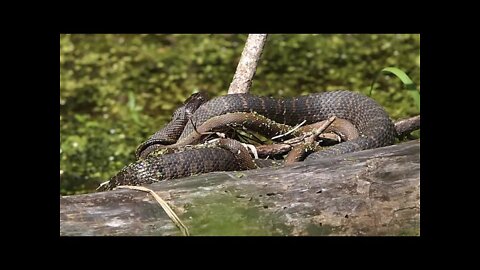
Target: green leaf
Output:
{"points": [[407, 82]]}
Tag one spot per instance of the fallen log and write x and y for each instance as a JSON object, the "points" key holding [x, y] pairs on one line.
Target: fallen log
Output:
{"points": [[372, 192]]}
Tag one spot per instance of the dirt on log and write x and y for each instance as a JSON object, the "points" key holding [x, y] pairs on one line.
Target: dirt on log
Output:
{"points": [[372, 192]]}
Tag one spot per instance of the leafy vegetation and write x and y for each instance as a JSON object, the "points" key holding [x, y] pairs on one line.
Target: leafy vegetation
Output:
{"points": [[407, 82], [116, 90]]}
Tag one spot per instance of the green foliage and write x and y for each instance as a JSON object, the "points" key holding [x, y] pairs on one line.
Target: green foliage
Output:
{"points": [[116, 90], [407, 82]]}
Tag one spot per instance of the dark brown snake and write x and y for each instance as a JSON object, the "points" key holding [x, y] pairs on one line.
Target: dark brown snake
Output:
{"points": [[372, 122]]}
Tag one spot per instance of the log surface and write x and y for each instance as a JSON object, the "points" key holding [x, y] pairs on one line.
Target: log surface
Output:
{"points": [[372, 192]]}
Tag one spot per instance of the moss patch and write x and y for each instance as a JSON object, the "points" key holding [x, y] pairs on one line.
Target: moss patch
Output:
{"points": [[319, 230], [231, 215], [410, 232]]}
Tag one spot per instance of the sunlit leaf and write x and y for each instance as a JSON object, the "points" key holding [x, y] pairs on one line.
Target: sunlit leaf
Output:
{"points": [[407, 82]]}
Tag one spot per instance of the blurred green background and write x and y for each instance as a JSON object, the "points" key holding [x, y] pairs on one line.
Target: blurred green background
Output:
{"points": [[117, 90]]}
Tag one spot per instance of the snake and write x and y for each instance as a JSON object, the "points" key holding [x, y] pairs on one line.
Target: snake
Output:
{"points": [[266, 115]]}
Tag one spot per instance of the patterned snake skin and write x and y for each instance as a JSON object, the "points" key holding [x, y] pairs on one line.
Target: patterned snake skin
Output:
{"points": [[373, 124], [170, 133]]}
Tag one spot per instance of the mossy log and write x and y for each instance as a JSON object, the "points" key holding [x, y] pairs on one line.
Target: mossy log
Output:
{"points": [[372, 192]]}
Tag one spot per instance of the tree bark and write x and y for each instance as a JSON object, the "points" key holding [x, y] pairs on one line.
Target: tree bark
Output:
{"points": [[372, 192], [242, 80], [405, 126]]}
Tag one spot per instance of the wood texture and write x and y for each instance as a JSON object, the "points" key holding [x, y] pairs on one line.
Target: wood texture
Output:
{"points": [[372, 192], [242, 80], [405, 126]]}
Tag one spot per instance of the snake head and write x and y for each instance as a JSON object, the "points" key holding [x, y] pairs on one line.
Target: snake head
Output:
{"points": [[170, 133], [193, 102], [134, 174], [183, 113]]}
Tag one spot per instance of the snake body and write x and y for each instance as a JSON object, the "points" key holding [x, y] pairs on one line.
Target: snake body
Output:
{"points": [[372, 122], [169, 166], [173, 129]]}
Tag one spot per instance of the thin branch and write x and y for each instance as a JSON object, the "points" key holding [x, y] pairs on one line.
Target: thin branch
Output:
{"points": [[313, 133], [298, 152], [290, 131], [242, 80], [408, 125]]}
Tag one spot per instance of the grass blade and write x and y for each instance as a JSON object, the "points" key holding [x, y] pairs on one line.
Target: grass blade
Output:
{"points": [[407, 82]]}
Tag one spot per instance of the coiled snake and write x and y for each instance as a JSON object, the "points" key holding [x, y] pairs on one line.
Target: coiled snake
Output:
{"points": [[198, 116]]}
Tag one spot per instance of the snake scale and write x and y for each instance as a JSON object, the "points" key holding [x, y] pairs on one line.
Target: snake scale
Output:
{"points": [[371, 120]]}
